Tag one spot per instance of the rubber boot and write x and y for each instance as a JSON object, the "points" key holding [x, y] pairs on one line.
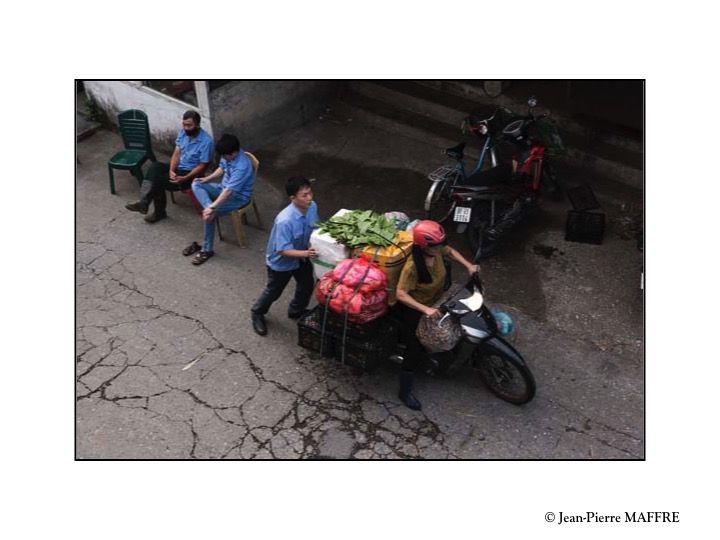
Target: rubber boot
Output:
{"points": [[405, 394]]}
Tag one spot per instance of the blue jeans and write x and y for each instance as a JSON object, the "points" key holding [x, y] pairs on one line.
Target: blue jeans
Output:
{"points": [[206, 194]]}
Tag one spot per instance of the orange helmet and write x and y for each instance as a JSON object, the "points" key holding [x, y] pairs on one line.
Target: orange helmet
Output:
{"points": [[428, 234]]}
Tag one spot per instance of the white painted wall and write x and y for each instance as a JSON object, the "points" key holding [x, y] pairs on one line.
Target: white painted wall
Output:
{"points": [[164, 112]]}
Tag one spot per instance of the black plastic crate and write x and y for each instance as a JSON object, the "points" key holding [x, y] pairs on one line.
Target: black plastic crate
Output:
{"points": [[367, 353], [311, 337], [582, 198], [585, 227], [336, 323], [377, 342]]}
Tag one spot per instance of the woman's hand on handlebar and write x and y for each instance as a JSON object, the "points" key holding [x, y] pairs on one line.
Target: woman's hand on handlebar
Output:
{"points": [[473, 269], [431, 312]]}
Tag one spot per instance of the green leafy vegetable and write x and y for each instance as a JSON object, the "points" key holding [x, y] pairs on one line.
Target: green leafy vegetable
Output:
{"points": [[359, 228]]}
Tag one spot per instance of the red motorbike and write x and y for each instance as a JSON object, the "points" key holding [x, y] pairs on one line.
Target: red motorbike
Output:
{"points": [[488, 203]]}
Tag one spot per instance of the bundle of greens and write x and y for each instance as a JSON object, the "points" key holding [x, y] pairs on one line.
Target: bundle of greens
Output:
{"points": [[359, 228]]}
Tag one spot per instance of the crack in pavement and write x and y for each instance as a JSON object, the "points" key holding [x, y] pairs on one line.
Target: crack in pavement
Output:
{"points": [[235, 408]]}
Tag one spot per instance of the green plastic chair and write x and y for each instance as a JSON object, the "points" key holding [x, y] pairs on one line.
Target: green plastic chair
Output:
{"points": [[135, 132]]}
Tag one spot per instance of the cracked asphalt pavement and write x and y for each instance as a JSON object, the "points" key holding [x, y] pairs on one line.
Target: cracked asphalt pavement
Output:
{"points": [[168, 366]]}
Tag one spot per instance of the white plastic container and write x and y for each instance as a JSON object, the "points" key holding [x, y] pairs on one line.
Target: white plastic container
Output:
{"points": [[329, 251]]}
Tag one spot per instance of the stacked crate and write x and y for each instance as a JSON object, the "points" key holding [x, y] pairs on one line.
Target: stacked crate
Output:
{"points": [[362, 346], [584, 225]]}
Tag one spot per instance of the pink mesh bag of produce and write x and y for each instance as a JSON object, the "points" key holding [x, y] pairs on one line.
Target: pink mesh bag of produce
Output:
{"points": [[357, 287]]}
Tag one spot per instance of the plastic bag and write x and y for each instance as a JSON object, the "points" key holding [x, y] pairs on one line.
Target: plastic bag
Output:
{"points": [[504, 322], [439, 333], [357, 287], [412, 224], [400, 219], [352, 272]]}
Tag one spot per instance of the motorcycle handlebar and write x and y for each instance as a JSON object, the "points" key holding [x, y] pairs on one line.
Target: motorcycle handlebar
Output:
{"points": [[475, 280], [450, 306]]}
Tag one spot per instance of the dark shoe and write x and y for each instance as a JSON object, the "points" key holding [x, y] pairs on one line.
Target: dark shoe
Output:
{"points": [[405, 394], [192, 248], [201, 257], [298, 315], [258, 322], [155, 216], [137, 207]]}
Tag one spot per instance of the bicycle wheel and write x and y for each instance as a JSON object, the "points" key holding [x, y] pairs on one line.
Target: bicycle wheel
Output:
{"points": [[505, 376], [439, 203]]}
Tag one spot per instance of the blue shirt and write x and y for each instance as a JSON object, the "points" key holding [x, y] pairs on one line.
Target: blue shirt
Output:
{"points": [[291, 230], [239, 176], [194, 151]]}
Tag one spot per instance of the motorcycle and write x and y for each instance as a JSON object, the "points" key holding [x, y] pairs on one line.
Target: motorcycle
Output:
{"points": [[498, 364], [488, 203]]}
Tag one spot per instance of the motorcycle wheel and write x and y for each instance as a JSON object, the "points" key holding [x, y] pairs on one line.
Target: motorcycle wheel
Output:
{"points": [[505, 377], [438, 202], [480, 244]]}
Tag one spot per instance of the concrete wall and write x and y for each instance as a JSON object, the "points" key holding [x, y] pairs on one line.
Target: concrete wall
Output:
{"points": [[164, 113], [255, 111], [258, 111]]}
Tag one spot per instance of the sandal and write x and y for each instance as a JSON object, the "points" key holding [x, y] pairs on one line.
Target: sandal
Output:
{"points": [[192, 248], [202, 257]]}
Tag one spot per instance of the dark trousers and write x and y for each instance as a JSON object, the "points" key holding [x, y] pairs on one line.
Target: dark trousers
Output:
{"points": [[277, 281], [157, 181], [410, 318]]}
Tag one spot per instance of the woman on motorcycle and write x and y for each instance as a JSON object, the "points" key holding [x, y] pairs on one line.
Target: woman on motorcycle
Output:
{"points": [[419, 287]]}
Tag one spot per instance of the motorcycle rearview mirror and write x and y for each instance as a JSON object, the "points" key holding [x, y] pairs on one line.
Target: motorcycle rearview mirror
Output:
{"points": [[532, 102]]}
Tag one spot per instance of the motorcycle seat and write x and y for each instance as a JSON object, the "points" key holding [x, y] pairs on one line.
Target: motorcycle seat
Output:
{"points": [[456, 152], [490, 177], [477, 189]]}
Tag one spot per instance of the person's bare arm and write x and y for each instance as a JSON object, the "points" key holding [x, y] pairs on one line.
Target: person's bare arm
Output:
{"points": [[209, 212], [197, 171], [217, 173], [404, 298], [174, 160], [299, 253], [457, 256]]}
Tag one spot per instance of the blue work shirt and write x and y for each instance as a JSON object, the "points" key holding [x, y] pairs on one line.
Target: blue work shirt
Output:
{"points": [[194, 151], [239, 176], [291, 230]]}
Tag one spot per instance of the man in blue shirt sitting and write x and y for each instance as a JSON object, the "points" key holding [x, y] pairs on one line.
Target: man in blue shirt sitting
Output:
{"points": [[220, 198], [288, 254], [190, 159]]}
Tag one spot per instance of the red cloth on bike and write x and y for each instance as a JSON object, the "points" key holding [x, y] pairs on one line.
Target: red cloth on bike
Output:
{"points": [[357, 287]]}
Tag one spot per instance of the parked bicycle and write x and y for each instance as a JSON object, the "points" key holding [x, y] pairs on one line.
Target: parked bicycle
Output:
{"points": [[488, 203]]}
